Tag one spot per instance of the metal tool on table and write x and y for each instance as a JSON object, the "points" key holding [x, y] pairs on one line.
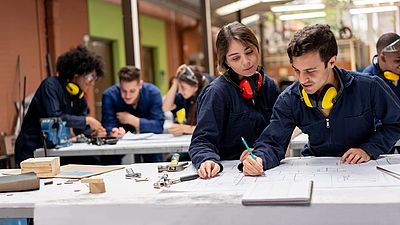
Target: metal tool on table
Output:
{"points": [[174, 166], [166, 182], [81, 138], [55, 133], [131, 174]]}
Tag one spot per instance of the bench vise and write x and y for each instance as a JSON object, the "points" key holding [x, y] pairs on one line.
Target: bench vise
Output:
{"points": [[55, 132]]}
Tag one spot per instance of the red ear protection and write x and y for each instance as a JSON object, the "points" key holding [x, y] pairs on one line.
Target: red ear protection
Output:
{"points": [[248, 87]]}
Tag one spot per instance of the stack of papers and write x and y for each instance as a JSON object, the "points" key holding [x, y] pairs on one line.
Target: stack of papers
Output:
{"points": [[279, 193], [130, 137], [393, 170]]}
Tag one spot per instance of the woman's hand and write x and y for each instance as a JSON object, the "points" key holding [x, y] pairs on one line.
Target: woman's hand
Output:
{"points": [[252, 167], [208, 169]]}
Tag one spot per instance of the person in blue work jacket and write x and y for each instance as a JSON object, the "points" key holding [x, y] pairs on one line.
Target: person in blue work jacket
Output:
{"points": [[237, 104], [135, 106], [185, 88], [386, 64], [62, 96], [346, 114]]}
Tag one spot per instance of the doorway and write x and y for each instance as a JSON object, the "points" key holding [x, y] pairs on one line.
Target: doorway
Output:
{"points": [[148, 71], [102, 47]]}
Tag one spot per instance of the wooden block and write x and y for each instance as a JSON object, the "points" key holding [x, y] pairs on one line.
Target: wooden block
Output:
{"points": [[92, 180], [44, 167], [96, 185]]}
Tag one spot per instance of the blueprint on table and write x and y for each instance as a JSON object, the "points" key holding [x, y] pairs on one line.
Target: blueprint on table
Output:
{"points": [[326, 172]]}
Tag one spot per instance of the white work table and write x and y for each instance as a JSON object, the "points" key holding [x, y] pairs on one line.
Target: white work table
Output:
{"points": [[157, 143], [297, 144], [342, 194]]}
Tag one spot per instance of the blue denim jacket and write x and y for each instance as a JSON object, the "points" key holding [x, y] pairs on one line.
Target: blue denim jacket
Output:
{"points": [[366, 115], [224, 116]]}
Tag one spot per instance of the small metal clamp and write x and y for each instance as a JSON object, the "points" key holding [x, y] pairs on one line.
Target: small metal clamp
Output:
{"points": [[131, 174]]}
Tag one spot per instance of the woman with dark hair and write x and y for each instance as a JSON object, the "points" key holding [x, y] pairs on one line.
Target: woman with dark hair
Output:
{"points": [[185, 88], [237, 104], [62, 96]]}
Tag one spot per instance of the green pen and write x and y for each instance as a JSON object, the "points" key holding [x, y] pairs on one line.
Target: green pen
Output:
{"points": [[248, 149]]}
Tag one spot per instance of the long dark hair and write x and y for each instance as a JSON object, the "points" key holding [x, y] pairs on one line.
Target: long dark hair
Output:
{"points": [[192, 76]]}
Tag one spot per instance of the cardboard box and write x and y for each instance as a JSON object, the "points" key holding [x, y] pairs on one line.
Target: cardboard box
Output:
{"points": [[7, 144]]}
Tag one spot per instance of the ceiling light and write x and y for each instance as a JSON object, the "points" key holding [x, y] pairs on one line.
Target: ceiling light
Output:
{"points": [[373, 9], [236, 6], [239, 5], [372, 2], [250, 19], [302, 16], [288, 8]]}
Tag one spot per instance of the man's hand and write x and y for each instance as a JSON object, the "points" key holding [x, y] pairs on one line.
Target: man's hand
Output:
{"points": [[176, 129], [355, 156], [117, 132], [208, 169], [100, 132], [252, 167], [127, 118]]}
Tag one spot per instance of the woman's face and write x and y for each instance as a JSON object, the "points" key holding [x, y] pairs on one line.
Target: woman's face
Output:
{"points": [[86, 81], [186, 90], [242, 59]]}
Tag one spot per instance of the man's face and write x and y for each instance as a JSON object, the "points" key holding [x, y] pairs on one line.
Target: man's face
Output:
{"points": [[390, 61], [130, 91], [86, 81], [311, 71]]}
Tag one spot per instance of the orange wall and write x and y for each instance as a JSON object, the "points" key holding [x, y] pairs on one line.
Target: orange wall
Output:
{"points": [[23, 32]]}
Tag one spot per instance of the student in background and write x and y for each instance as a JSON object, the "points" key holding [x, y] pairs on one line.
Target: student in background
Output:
{"points": [[386, 64], [133, 105], [185, 88], [62, 96], [237, 104], [344, 113]]}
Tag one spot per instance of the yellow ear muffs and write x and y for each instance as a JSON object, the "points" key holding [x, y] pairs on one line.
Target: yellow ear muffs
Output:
{"points": [[328, 94], [391, 76], [74, 90], [306, 98]]}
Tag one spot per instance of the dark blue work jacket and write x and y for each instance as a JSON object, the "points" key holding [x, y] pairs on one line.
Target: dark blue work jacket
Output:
{"points": [[366, 115], [148, 109], [50, 100], [223, 116], [374, 70]]}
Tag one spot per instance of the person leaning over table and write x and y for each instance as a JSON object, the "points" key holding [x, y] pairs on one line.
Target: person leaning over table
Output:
{"points": [[237, 104], [185, 88], [345, 114], [134, 105], [63, 96]]}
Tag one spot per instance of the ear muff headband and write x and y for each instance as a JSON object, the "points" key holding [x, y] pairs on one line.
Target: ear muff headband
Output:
{"points": [[325, 99], [306, 98], [391, 76], [74, 90], [248, 87], [328, 95]]}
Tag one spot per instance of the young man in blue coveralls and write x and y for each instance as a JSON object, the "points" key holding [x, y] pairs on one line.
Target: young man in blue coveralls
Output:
{"points": [[135, 106], [345, 114]]}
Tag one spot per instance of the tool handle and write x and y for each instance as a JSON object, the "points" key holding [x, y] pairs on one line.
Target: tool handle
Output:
{"points": [[189, 177]]}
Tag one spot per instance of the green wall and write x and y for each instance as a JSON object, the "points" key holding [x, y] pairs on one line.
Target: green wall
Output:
{"points": [[153, 35], [105, 21]]}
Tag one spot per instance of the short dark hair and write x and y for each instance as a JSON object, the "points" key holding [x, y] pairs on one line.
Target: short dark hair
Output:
{"points": [[129, 73], [79, 61], [318, 37], [229, 32], [385, 40]]}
